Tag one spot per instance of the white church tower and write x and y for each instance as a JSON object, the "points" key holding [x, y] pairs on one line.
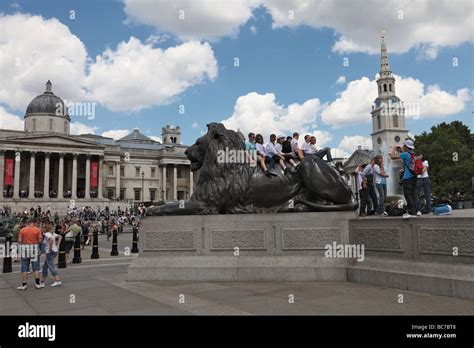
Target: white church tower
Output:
{"points": [[388, 112]]}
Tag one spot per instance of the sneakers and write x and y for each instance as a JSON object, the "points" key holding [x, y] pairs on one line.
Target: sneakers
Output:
{"points": [[269, 172], [407, 216], [385, 214], [39, 286], [56, 283], [22, 287], [418, 213]]}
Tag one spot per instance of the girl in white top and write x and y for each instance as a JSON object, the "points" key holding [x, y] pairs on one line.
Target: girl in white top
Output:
{"points": [[423, 185], [52, 241]]}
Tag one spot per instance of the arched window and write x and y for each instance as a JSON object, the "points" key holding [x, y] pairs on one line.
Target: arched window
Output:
{"points": [[385, 87], [390, 87], [34, 124], [379, 123], [395, 120]]}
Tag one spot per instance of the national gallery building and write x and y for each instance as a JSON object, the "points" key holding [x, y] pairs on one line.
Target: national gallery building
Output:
{"points": [[46, 165]]}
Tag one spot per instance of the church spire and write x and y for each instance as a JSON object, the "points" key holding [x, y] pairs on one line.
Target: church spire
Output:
{"points": [[384, 67]]}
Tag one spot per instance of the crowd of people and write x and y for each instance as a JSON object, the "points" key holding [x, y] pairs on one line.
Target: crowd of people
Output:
{"points": [[284, 150], [39, 233], [372, 183]]}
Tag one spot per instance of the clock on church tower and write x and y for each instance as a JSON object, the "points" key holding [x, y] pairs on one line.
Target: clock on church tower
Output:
{"points": [[388, 112]]}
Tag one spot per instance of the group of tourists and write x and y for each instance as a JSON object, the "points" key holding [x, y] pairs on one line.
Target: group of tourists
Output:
{"points": [[372, 183], [37, 234], [284, 150]]}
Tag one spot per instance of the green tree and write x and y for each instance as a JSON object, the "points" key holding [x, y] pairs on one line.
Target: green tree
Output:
{"points": [[449, 148]]}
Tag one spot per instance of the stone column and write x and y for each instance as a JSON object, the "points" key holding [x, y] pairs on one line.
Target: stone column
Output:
{"points": [[99, 178], [191, 183], [16, 183], [31, 186], [74, 176], [175, 182], [46, 176], [61, 176], [88, 177], [2, 171], [164, 181], [117, 180]]}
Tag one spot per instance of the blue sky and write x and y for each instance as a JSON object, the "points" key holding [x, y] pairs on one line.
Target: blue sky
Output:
{"points": [[295, 62]]}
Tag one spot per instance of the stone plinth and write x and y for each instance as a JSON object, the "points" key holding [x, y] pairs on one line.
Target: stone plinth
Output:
{"points": [[248, 247]]}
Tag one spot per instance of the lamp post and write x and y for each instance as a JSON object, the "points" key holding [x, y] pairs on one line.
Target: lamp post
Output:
{"points": [[143, 186]]}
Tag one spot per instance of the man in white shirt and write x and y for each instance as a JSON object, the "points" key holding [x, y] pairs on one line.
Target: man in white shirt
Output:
{"points": [[272, 152], [305, 147], [325, 151], [294, 145], [262, 155]]}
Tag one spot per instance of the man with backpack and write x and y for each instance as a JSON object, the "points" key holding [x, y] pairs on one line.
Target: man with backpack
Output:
{"points": [[413, 166]]}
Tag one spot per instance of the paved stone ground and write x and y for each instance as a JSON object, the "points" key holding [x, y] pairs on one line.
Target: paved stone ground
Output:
{"points": [[99, 287]]}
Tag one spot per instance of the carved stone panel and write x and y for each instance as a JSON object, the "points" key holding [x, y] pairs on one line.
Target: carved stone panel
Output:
{"points": [[444, 239], [309, 238], [170, 240], [377, 239], [254, 239]]}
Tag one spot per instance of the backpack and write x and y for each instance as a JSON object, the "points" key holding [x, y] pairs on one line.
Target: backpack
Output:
{"points": [[286, 147], [369, 177], [416, 164]]}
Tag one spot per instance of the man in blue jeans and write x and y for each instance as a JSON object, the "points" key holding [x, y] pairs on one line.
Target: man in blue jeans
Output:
{"points": [[28, 241], [409, 179]]}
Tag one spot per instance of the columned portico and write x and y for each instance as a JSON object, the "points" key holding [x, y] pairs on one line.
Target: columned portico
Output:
{"points": [[88, 177], [175, 182], [74, 176], [46, 175], [117, 180], [61, 176], [99, 178], [31, 186], [16, 184]]}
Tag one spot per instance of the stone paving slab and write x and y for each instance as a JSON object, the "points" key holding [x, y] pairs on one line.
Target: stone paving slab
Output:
{"points": [[100, 288]]}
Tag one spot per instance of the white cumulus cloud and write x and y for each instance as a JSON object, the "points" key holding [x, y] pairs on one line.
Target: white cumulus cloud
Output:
{"points": [[354, 104], [116, 133], [341, 80], [81, 128], [261, 113], [10, 121]]}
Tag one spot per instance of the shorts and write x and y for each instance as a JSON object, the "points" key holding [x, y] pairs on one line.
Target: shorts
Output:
{"points": [[25, 264], [68, 245], [288, 157]]}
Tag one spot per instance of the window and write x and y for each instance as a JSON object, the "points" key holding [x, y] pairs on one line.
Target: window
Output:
{"points": [[395, 120], [390, 87], [122, 194], [179, 173], [122, 171], [153, 172], [110, 193], [34, 124], [397, 139], [138, 196], [379, 141], [111, 170], [379, 123], [50, 124], [385, 87], [152, 194], [137, 172]]}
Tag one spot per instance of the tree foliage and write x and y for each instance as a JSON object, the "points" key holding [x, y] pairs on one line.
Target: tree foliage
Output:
{"points": [[449, 148]]}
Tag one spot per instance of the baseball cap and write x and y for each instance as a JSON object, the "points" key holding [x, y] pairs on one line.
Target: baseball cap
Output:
{"points": [[409, 144]]}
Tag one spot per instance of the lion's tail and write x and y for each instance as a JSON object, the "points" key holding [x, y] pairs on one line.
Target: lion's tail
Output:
{"points": [[334, 207]]}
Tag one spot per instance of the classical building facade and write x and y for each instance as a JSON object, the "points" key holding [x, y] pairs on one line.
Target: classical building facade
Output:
{"points": [[45, 164]]}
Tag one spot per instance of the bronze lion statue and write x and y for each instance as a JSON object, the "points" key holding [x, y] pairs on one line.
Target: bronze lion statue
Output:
{"points": [[227, 187]]}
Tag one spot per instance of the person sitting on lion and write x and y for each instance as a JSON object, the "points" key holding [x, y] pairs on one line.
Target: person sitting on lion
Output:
{"points": [[231, 187]]}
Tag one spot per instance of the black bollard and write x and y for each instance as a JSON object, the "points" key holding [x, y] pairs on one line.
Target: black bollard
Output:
{"points": [[62, 253], [114, 251], [77, 249], [7, 261], [95, 245], [135, 239]]}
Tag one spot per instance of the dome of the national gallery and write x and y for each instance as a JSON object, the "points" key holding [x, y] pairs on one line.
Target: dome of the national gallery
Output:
{"points": [[47, 104]]}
